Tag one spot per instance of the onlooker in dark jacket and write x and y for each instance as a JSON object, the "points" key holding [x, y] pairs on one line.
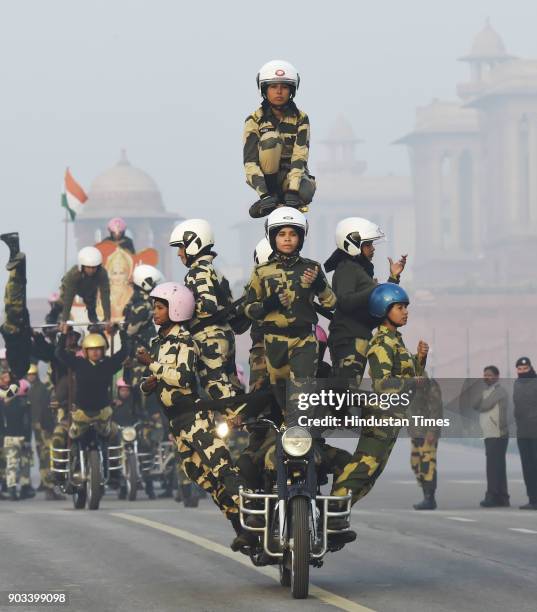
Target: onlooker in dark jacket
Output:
{"points": [[525, 399]]}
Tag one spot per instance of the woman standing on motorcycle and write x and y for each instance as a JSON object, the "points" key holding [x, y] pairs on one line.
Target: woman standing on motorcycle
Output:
{"points": [[395, 371], [280, 295], [172, 365]]}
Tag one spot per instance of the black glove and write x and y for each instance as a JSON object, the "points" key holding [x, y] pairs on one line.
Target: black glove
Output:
{"points": [[263, 206], [271, 303], [291, 199]]}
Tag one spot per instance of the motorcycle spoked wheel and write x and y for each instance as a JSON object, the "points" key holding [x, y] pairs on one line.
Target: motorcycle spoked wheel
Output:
{"points": [[300, 555], [93, 483], [131, 477]]}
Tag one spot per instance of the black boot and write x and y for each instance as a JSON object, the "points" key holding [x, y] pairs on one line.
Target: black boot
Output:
{"points": [[27, 492], [429, 501], [12, 492], [263, 207], [12, 241], [244, 539]]}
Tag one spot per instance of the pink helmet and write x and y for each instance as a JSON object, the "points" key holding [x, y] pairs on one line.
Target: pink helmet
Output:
{"points": [[320, 334], [53, 297], [121, 383], [24, 385], [117, 224], [180, 300]]}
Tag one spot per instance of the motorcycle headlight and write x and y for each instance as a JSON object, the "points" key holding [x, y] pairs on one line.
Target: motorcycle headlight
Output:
{"points": [[222, 429], [296, 441], [128, 434]]}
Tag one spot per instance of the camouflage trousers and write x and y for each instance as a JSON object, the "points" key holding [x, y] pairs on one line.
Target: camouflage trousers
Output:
{"points": [[18, 460], [369, 459], [16, 327], [217, 370], [206, 461], [270, 156], [331, 459], [423, 463], [258, 367], [102, 421], [290, 360], [42, 446], [349, 360]]}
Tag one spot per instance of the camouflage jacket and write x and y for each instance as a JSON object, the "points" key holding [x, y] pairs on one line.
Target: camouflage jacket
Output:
{"points": [[391, 367], [211, 293], [75, 282], [427, 403], [283, 274], [294, 131], [174, 365], [138, 314]]}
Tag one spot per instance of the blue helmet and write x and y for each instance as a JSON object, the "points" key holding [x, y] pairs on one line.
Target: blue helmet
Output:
{"points": [[385, 295]]}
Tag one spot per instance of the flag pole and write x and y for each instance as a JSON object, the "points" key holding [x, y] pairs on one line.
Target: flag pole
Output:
{"points": [[65, 239], [66, 230]]}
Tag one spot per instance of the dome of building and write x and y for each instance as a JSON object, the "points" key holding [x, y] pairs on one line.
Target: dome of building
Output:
{"points": [[487, 45], [341, 132], [123, 190]]}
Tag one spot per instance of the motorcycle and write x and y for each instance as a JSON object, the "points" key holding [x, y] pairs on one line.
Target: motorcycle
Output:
{"points": [[85, 468], [290, 515]]}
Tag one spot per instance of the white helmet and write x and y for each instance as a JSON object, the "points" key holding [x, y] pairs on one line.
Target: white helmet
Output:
{"points": [[262, 252], [146, 277], [351, 232], [278, 71], [285, 216], [193, 234], [89, 256]]}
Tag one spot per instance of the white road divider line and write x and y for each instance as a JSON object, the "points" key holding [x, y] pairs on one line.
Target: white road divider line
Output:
{"points": [[521, 530], [325, 596], [461, 519]]}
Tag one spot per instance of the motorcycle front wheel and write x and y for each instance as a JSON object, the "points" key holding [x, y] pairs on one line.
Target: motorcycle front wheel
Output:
{"points": [[300, 554], [131, 477], [93, 484]]}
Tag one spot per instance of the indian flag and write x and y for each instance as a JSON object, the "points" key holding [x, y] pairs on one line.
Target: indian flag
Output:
{"points": [[73, 196]]}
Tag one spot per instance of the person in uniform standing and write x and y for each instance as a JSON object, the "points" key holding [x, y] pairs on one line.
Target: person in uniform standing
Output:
{"points": [[276, 143], [525, 399], [394, 370]]}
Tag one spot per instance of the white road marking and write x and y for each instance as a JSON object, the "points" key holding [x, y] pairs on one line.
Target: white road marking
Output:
{"points": [[460, 519], [520, 530], [214, 547]]}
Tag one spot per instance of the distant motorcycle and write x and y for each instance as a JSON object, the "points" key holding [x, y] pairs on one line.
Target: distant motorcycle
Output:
{"points": [[85, 468], [290, 515]]}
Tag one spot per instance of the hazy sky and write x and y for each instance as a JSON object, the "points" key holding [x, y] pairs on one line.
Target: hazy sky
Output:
{"points": [[172, 83]]}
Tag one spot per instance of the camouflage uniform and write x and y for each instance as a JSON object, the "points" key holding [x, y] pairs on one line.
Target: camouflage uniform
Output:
{"points": [[138, 315], [75, 282], [16, 327], [276, 153], [427, 403], [204, 456], [17, 418], [210, 330], [290, 344], [392, 370]]}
